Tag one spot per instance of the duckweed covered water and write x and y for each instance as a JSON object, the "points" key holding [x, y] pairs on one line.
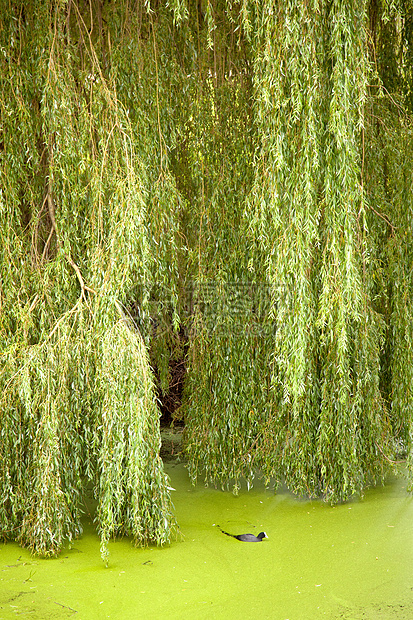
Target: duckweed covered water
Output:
{"points": [[350, 562]]}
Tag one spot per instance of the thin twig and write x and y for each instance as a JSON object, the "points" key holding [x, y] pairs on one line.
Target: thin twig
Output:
{"points": [[157, 93], [66, 607], [69, 259], [383, 217], [387, 458]]}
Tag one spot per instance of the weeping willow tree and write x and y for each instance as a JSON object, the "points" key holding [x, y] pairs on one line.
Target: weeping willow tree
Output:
{"points": [[231, 175], [325, 371], [86, 219], [314, 400]]}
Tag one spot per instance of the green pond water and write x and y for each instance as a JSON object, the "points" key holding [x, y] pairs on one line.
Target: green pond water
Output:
{"points": [[352, 561]]}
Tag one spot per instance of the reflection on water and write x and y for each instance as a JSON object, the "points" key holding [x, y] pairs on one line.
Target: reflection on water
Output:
{"points": [[352, 561]]}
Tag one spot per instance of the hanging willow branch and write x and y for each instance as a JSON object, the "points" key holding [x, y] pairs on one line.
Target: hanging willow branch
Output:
{"points": [[76, 379], [69, 259]]}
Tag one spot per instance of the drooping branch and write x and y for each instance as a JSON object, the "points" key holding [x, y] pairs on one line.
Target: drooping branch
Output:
{"points": [[52, 215]]}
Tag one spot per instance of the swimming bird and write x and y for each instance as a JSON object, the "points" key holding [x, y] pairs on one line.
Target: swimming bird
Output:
{"points": [[246, 537]]}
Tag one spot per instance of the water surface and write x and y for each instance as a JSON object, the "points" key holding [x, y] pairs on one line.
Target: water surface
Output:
{"points": [[351, 562]]}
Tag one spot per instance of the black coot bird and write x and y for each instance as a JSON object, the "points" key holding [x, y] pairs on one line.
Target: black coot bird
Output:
{"points": [[246, 537]]}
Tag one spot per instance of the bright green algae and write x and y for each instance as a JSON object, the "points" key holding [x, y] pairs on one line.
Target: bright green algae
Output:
{"points": [[352, 561]]}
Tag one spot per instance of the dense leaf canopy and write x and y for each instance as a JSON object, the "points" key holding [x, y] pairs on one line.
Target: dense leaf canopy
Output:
{"points": [[224, 182]]}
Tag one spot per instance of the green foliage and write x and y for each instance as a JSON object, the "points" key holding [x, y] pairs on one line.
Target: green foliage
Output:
{"points": [[75, 219], [319, 383]]}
